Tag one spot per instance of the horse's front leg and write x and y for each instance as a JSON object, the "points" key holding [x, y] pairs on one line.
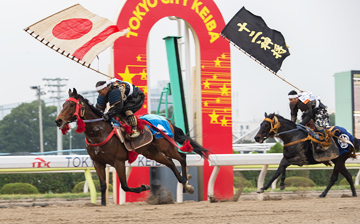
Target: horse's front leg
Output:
{"points": [[282, 180], [282, 167], [120, 169], [100, 170]]}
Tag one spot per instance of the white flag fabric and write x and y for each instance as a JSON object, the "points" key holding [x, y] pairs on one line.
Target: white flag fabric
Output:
{"points": [[76, 33]]}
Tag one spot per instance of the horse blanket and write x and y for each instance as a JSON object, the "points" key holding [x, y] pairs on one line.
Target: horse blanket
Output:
{"points": [[159, 122], [343, 133]]}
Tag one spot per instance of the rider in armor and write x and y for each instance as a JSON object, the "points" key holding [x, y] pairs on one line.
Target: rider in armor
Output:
{"points": [[312, 108], [123, 97]]}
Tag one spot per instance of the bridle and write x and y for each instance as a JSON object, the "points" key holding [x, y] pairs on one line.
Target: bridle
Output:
{"points": [[275, 125], [79, 112], [80, 107]]}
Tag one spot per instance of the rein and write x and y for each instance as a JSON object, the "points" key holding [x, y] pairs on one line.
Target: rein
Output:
{"points": [[103, 142], [93, 120], [275, 125]]}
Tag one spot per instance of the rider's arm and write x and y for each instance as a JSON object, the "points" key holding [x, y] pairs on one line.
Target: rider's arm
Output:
{"points": [[114, 110], [294, 112], [308, 111], [116, 104], [101, 103]]}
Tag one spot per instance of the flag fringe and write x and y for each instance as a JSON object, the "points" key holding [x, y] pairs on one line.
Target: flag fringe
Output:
{"points": [[62, 53], [250, 56]]}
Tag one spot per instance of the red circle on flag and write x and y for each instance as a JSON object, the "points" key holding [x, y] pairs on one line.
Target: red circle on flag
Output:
{"points": [[71, 29]]}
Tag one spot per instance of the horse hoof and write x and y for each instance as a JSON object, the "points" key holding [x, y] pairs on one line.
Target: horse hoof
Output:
{"points": [[189, 189], [189, 177], [146, 187], [260, 191], [322, 196], [282, 187]]}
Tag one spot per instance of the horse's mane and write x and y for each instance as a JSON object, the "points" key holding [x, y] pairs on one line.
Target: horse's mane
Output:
{"points": [[93, 109], [285, 121]]}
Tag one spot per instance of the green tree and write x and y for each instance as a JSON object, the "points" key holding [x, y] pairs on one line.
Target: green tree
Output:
{"points": [[77, 140], [277, 148], [19, 130]]}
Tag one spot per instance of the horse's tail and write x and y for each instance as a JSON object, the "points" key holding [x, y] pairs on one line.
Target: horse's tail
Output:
{"points": [[180, 138], [357, 144]]}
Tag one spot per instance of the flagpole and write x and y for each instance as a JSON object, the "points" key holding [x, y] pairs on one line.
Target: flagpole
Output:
{"points": [[259, 62], [68, 55]]}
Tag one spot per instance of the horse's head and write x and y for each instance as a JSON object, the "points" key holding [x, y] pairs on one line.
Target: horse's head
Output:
{"points": [[69, 110], [268, 128]]}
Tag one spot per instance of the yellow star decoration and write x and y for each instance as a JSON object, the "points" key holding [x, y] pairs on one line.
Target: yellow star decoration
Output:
{"points": [[143, 75], [145, 89], [223, 55], [214, 77], [224, 90], [214, 117], [127, 76], [206, 104], [206, 84], [217, 62], [138, 58], [225, 110], [144, 106], [202, 66], [223, 121], [218, 100]]}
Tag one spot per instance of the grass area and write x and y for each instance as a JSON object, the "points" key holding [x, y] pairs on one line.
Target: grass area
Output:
{"points": [[67, 196], [291, 189]]}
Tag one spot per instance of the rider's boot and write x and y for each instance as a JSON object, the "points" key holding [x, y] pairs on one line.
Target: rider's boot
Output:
{"points": [[133, 123], [320, 148]]}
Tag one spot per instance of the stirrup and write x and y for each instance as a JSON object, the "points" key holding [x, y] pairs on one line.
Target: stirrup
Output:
{"points": [[320, 148], [135, 133]]}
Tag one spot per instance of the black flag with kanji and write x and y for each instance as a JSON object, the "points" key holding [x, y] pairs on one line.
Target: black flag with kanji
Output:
{"points": [[250, 33]]}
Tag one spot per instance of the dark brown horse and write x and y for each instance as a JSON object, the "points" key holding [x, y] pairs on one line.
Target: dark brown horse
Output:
{"points": [[301, 153], [114, 152]]}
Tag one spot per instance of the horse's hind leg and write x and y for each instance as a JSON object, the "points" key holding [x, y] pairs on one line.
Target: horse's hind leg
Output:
{"points": [[120, 169], [153, 153], [100, 170], [339, 165], [348, 177]]}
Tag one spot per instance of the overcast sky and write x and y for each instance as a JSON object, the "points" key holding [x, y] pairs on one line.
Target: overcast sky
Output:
{"points": [[323, 37]]}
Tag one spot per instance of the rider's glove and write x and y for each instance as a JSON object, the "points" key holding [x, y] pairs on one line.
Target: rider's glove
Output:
{"points": [[106, 117]]}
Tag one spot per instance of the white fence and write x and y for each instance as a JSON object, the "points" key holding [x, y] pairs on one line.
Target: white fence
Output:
{"points": [[75, 163], [253, 147], [260, 159]]}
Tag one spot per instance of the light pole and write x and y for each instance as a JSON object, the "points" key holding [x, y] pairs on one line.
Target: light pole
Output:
{"points": [[58, 85], [38, 94]]}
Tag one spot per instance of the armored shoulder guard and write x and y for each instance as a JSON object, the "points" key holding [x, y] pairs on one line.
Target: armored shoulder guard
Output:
{"points": [[101, 102], [114, 96]]}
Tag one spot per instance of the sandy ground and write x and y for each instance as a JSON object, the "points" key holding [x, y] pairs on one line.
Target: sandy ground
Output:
{"points": [[293, 207]]}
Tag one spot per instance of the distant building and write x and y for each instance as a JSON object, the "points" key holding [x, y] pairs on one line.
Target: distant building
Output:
{"points": [[244, 128]]}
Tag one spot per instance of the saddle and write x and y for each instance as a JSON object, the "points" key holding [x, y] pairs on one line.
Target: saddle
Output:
{"points": [[330, 153], [131, 144], [331, 150]]}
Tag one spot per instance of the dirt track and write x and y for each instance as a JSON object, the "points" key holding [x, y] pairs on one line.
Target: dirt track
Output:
{"points": [[278, 208]]}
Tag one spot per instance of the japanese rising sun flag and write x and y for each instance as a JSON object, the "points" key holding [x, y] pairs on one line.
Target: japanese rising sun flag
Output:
{"points": [[76, 33]]}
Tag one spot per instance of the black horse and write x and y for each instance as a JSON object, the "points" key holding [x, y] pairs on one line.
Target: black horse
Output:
{"points": [[300, 153]]}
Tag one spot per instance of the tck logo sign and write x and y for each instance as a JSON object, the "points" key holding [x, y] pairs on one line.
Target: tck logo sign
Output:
{"points": [[40, 163]]}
